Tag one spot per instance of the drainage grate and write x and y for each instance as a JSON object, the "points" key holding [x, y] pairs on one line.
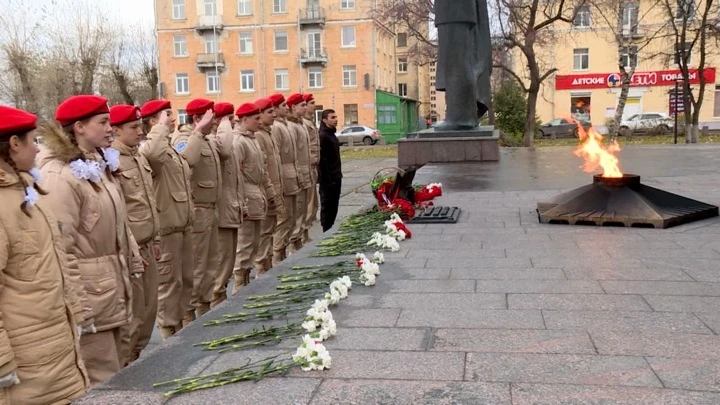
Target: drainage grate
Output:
{"points": [[437, 215]]}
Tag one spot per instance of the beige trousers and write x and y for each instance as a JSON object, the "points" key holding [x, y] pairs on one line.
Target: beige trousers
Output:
{"points": [[301, 208], [247, 245], [227, 247], [263, 259], [285, 224], [145, 303], [207, 262], [101, 354], [175, 278]]}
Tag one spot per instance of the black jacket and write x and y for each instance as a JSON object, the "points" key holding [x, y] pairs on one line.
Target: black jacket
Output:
{"points": [[329, 168]]}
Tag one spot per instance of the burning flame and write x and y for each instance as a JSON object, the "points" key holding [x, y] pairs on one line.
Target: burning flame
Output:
{"points": [[596, 154]]}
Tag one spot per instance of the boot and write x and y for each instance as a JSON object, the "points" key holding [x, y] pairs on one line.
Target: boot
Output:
{"points": [[188, 318], [217, 300], [203, 309], [242, 278], [306, 237], [277, 257], [166, 331], [246, 276]]}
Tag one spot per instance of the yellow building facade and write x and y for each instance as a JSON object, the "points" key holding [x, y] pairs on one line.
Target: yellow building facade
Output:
{"points": [[585, 53], [240, 50]]}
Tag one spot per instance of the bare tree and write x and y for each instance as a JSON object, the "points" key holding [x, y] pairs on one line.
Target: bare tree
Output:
{"points": [[525, 25], [145, 49], [415, 16]]}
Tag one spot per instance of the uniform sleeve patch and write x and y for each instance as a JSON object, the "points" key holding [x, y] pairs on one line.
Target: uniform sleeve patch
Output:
{"points": [[181, 147]]}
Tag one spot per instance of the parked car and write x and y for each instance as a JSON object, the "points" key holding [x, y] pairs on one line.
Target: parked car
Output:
{"points": [[648, 122], [561, 128], [359, 134]]}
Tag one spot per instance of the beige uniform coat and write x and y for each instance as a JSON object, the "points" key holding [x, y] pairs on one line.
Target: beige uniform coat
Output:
{"points": [[255, 178], [314, 140], [38, 338], [288, 156], [230, 205], [273, 168], [302, 146]]}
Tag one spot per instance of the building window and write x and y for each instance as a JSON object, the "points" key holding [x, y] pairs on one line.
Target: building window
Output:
{"points": [[178, 12], [387, 114], [580, 107], [180, 45], [402, 39], [347, 4], [685, 9], [348, 36], [349, 76], [629, 56], [210, 43], [402, 89], [582, 17], [716, 106], [212, 79], [182, 83], [244, 7], [281, 41], [683, 53], [630, 16], [350, 114], [246, 47], [282, 79], [315, 78], [402, 65], [182, 117], [247, 80], [279, 6], [581, 59], [210, 7]]}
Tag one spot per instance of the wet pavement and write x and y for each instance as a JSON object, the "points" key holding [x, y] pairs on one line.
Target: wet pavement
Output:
{"points": [[499, 309]]}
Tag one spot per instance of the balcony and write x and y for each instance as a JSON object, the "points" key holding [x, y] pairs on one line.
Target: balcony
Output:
{"points": [[209, 23], [312, 16], [210, 61], [310, 56]]}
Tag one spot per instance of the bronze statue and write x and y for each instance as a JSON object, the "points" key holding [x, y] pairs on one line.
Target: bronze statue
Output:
{"points": [[464, 61]]}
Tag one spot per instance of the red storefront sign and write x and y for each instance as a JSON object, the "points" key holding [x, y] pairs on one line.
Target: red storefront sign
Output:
{"points": [[639, 79]]}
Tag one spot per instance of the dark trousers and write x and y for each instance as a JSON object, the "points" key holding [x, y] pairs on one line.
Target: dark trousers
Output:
{"points": [[329, 201]]}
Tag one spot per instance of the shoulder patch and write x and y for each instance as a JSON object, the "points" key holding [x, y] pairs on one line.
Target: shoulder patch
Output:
{"points": [[181, 147]]}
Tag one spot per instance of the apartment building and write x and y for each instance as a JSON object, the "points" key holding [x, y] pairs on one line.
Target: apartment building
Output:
{"points": [[437, 98], [241, 50], [586, 53]]}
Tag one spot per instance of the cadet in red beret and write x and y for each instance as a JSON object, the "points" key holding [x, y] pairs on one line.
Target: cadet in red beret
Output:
{"points": [[136, 184], [150, 113], [263, 260], [298, 107], [77, 173], [221, 110], [35, 305], [285, 142], [204, 154], [314, 139]]}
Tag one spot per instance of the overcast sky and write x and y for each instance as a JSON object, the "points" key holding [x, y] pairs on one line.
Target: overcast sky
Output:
{"points": [[127, 10]]}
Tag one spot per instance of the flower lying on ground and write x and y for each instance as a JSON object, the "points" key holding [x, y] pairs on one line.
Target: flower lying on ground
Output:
{"points": [[312, 355], [338, 290], [379, 258], [384, 241], [369, 269]]}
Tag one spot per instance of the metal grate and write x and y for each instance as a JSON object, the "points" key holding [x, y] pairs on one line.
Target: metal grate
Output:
{"points": [[437, 215]]}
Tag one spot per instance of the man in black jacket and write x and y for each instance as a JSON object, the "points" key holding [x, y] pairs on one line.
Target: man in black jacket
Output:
{"points": [[329, 170]]}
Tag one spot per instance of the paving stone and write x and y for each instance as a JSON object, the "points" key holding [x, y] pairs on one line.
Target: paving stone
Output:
{"points": [[437, 366], [358, 300], [661, 288], [111, 397], [457, 253], [649, 253], [625, 321], [554, 394], [370, 318], [595, 302], [487, 263], [469, 301], [429, 286], [513, 341], [708, 274], [507, 274], [591, 262], [689, 374], [416, 274], [361, 392], [711, 319], [639, 274], [557, 252], [265, 391], [539, 286], [679, 303], [636, 244], [455, 318], [378, 339], [652, 344], [560, 369]]}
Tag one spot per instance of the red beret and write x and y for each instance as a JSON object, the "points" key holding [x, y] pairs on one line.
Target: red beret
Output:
{"points": [[77, 108], [153, 107], [263, 103], [308, 97], [123, 113], [199, 106], [223, 109], [277, 99], [247, 110], [296, 98], [16, 122]]}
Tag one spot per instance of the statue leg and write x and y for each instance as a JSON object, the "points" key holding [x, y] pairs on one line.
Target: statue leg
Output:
{"points": [[456, 75]]}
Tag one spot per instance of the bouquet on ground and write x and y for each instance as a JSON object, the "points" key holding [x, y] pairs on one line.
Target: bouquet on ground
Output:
{"points": [[427, 192], [312, 355]]}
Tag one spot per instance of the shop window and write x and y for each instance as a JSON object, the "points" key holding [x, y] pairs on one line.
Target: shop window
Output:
{"points": [[580, 108]]}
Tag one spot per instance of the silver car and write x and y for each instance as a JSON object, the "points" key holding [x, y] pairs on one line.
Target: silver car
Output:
{"points": [[358, 134]]}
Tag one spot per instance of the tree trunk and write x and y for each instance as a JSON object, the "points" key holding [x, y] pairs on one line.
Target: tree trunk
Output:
{"points": [[529, 136], [620, 109], [123, 85]]}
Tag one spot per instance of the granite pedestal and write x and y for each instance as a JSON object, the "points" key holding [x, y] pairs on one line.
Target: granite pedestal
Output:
{"points": [[433, 146]]}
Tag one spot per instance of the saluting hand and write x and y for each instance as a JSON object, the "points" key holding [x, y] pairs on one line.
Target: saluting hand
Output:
{"points": [[164, 118], [206, 121]]}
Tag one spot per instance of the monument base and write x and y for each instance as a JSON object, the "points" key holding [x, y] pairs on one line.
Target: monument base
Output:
{"points": [[430, 146]]}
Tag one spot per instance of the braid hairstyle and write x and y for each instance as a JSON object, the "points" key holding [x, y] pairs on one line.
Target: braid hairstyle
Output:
{"points": [[70, 133], [5, 155]]}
